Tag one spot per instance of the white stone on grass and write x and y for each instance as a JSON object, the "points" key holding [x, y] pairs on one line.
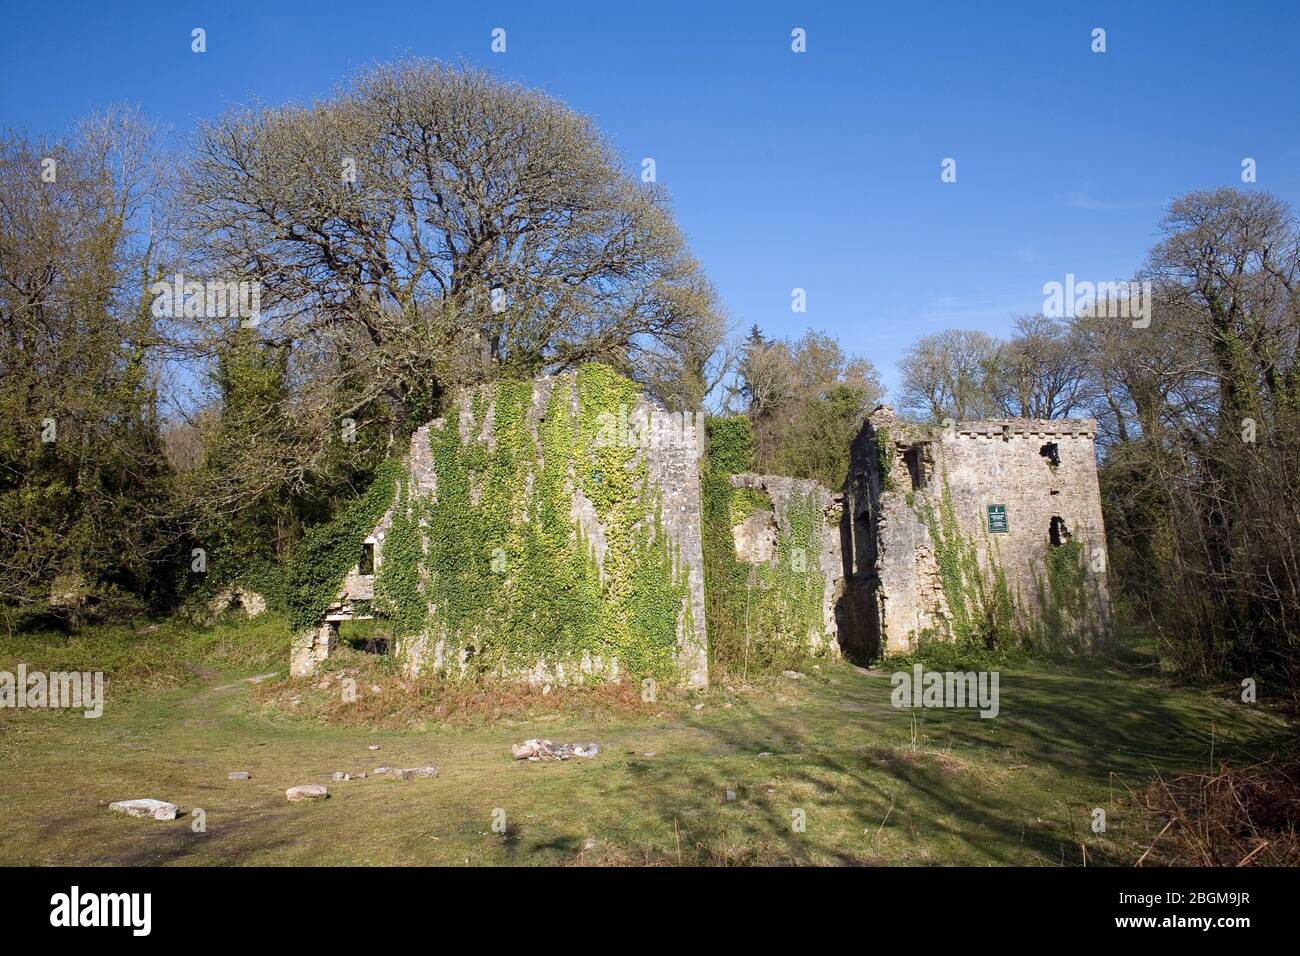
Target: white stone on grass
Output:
{"points": [[412, 773], [308, 791], [158, 809]]}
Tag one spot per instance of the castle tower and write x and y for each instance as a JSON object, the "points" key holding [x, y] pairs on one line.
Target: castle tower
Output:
{"points": [[959, 531]]}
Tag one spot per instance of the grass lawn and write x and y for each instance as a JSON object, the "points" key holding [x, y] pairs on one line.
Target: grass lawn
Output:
{"points": [[874, 784]]}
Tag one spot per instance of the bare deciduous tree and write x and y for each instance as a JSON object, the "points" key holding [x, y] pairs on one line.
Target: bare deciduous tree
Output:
{"points": [[948, 375]]}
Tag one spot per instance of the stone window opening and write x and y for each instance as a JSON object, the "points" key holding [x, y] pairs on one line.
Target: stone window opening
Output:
{"points": [[367, 563], [915, 467], [1052, 452], [364, 636], [1058, 534]]}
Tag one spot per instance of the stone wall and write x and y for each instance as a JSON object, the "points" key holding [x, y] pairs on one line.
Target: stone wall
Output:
{"points": [[1045, 474], [1042, 475], [585, 475], [756, 539], [588, 475]]}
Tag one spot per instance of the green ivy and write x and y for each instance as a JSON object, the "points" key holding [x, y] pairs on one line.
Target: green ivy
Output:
{"points": [[510, 578], [1063, 603], [759, 617], [746, 502], [329, 551], [885, 459], [398, 594], [981, 609]]}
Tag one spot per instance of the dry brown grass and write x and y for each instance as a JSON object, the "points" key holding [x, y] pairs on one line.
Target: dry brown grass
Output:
{"points": [[386, 699], [1231, 816]]}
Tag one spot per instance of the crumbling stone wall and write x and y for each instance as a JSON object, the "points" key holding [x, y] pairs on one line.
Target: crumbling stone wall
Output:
{"points": [[551, 531], [758, 537], [548, 530], [1041, 476]]}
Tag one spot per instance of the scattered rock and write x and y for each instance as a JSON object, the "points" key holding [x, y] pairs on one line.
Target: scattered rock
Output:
{"points": [[158, 809], [340, 776], [413, 773], [766, 753], [590, 844], [545, 750], [239, 775], [308, 791], [546, 690], [648, 753], [731, 795], [793, 675], [380, 771], [699, 706], [258, 678], [373, 747]]}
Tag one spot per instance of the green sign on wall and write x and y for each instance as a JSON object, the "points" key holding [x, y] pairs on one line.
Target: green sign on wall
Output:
{"points": [[997, 519]]}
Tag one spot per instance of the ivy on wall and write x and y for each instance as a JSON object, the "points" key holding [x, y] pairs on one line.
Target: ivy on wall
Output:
{"points": [[760, 616], [329, 551], [398, 594], [510, 577], [983, 613], [980, 606], [1064, 597], [885, 459], [746, 502]]}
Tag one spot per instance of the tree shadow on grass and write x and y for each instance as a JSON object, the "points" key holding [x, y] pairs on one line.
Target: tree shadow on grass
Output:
{"points": [[875, 772]]}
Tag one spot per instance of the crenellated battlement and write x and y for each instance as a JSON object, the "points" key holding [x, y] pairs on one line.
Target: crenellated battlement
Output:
{"points": [[1027, 427]]}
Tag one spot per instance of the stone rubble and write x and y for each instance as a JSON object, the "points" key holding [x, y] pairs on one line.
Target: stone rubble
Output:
{"points": [[535, 749]]}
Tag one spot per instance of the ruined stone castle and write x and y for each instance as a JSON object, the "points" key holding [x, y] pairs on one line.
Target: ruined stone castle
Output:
{"points": [[551, 531], [942, 522]]}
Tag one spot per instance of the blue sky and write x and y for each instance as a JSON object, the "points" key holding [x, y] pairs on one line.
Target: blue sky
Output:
{"points": [[818, 170]]}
